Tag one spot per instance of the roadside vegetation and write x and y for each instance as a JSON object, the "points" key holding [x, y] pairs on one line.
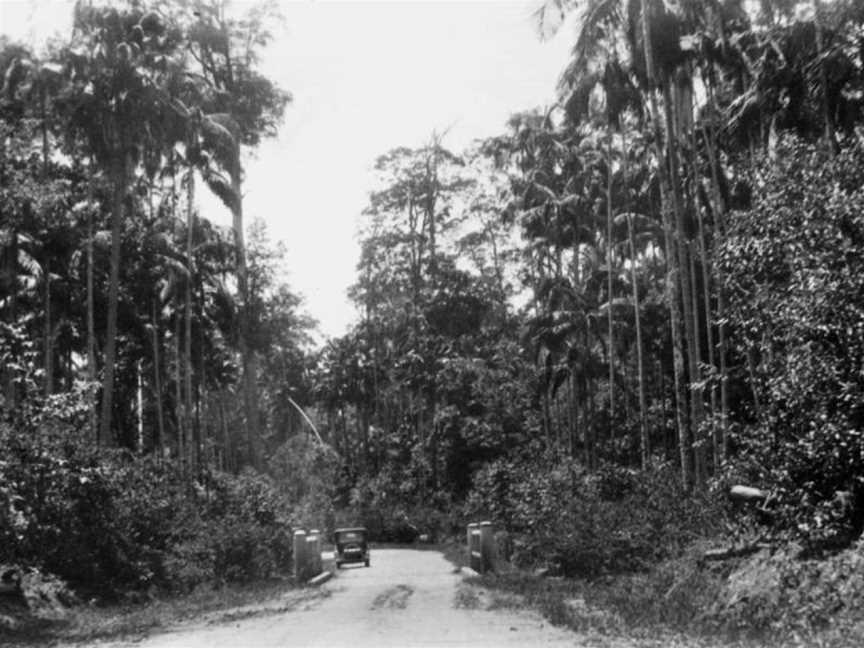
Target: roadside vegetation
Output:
{"points": [[586, 330], [136, 620]]}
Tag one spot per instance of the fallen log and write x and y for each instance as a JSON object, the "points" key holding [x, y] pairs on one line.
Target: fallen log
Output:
{"points": [[734, 552], [747, 494]]}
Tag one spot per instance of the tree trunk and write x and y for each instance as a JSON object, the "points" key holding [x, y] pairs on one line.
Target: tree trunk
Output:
{"points": [[823, 79], [49, 347], [157, 383], [573, 428], [609, 283], [250, 396], [187, 355], [697, 397], [754, 387], [178, 393], [431, 200], [720, 217], [589, 420], [724, 371], [591, 426], [671, 261], [44, 128], [685, 281], [706, 285], [709, 332], [226, 440], [139, 408], [91, 328], [120, 186], [559, 422], [47, 333], [547, 417], [202, 434], [496, 263], [10, 275], [201, 458], [644, 440], [640, 360]]}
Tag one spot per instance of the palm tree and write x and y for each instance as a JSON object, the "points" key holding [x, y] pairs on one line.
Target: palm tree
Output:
{"points": [[242, 107], [113, 100], [605, 26]]}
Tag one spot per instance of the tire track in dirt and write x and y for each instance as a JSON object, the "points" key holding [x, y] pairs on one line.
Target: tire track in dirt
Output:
{"points": [[394, 598]]}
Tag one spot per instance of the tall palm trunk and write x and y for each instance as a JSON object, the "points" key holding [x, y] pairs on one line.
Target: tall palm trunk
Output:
{"points": [[672, 275], [709, 332], [719, 214], [227, 461], [640, 359], [686, 279], [48, 345], [91, 327], [178, 391], [706, 298], [431, 199], [250, 396], [609, 282], [575, 388], [572, 413], [10, 275], [139, 408], [157, 383], [121, 181], [644, 440], [202, 433], [48, 338], [187, 355], [827, 118], [724, 373]]}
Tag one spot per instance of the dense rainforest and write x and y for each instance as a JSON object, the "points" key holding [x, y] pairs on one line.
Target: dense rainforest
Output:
{"points": [[586, 329]]}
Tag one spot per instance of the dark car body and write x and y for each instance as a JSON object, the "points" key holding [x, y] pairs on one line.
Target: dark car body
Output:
{"points": [[351, 546]]}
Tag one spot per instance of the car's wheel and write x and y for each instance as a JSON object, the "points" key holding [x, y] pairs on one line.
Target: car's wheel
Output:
{"points": [[367, 562], [338, 564]]}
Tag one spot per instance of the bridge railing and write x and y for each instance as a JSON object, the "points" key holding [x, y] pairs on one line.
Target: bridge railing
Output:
{"points": [[481, 546], [307, 555]]}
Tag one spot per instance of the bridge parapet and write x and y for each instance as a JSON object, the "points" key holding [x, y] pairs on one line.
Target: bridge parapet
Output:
{"points": [[481, 546]]}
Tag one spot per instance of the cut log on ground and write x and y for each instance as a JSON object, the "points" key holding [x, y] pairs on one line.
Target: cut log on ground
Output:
{"points": [[747, 494], [734, 552]]}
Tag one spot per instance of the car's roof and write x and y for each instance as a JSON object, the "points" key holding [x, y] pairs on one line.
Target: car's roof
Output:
{"points": [[343, 529]]}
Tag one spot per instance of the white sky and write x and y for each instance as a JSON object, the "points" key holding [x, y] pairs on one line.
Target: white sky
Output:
{"points": [[366, 77]]}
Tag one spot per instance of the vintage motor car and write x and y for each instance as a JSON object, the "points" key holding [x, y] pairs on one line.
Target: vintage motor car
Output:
{"points": [[351, 546]]}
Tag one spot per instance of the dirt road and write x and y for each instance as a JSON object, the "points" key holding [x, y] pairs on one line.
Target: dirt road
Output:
{"points": [[406, 599]]}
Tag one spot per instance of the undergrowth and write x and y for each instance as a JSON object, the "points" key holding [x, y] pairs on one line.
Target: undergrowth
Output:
{"points": [[771, 600], [114, 526], [204, 605]]}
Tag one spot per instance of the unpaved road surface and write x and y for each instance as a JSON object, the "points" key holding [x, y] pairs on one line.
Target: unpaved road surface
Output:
{"points": [[406, 599]]}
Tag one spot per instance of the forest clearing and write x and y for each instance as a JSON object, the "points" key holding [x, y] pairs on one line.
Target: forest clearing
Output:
{"points": [[626, 328]]}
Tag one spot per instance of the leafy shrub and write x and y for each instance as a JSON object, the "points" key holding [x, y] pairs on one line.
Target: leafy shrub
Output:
{"points": [[380, 503], [590, 524], [792, 268], [109, 523]]}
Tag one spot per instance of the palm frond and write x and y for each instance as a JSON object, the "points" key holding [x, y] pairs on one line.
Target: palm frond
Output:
{"points": [[29, 264], [548, 16]]}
